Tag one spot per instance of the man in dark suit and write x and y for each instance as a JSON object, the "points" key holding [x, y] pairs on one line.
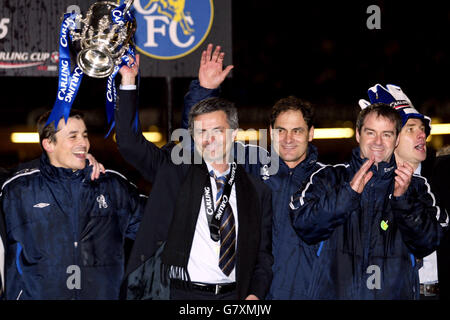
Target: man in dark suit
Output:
{"points": [[217, 240]]}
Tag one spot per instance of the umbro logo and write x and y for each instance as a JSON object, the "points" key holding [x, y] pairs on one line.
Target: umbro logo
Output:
{"points": [[41, 205]]}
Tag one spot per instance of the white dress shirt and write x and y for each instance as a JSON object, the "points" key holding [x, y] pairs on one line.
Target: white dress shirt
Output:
{"points": [[203, 265], [128, 87]]}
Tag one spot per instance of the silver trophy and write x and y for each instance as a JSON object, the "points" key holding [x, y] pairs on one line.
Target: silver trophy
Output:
{"points": [[103, 41]]}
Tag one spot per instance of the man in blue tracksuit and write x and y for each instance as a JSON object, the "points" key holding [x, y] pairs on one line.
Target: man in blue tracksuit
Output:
{"points": [[64, 232], [412, 148], [375, 216], [291, 128]]}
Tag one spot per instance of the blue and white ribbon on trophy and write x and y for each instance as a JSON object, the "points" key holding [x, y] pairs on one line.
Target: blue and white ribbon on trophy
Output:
{"points": [[111, 91], [68, 82]]}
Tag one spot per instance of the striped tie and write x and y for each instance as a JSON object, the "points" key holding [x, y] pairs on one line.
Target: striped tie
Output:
{"points": [[227, 259]]}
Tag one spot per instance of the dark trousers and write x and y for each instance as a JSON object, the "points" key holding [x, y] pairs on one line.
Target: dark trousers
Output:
{"points": [[423, 297], [187, 294]]}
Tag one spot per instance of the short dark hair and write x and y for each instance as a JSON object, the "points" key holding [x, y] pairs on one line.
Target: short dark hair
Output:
{"points": [[215, 104], [383, 110], [295, 104], [48, 131]]}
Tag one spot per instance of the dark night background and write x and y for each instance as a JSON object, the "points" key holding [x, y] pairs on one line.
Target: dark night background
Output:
{"points": [[321, 51]]}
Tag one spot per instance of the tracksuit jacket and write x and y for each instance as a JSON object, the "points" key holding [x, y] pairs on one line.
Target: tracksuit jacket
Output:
{"points": [[368, 243], [65, 233], [292, 257]]}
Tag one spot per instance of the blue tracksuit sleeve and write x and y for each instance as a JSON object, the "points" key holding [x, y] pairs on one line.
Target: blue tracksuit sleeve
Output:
{"points": [[195, 94], [128, 203], [421, 220], [137, 204], [324, 204]]}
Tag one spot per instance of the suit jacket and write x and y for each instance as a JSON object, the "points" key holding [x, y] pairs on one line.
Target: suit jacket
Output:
{"points": [[254, 258]]}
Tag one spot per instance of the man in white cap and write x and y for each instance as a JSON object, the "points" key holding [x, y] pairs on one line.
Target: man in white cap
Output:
{"points": [[411, 149]]}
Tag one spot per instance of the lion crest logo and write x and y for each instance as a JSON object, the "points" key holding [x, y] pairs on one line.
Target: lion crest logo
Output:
{"points": [[171, 29]]}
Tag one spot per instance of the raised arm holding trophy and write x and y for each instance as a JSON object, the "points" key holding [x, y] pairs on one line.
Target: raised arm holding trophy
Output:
{"points": [[104, 36]]}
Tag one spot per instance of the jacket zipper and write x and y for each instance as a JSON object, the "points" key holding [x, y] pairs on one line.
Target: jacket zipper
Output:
{"points": [[75, 230], [368, 226], [287, 193]]}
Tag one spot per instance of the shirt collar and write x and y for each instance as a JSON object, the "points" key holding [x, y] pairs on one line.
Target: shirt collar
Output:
{"points": [[418, 169], [217, 173]]}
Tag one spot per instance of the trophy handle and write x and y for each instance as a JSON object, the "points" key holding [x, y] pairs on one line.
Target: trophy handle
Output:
{"points": [[128, 5]]}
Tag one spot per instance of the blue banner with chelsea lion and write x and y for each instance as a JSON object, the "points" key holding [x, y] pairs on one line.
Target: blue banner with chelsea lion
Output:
{"points": [[170, 34]]}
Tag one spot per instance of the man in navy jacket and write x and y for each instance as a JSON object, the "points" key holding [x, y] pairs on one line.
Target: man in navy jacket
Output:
{"points": [[412, 148], [377, 217], [97, 168], [64, 232]]}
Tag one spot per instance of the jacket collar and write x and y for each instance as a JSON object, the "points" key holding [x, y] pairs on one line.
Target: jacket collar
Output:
{"points": [[56, 173], [299, 169], [385, 170]]}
